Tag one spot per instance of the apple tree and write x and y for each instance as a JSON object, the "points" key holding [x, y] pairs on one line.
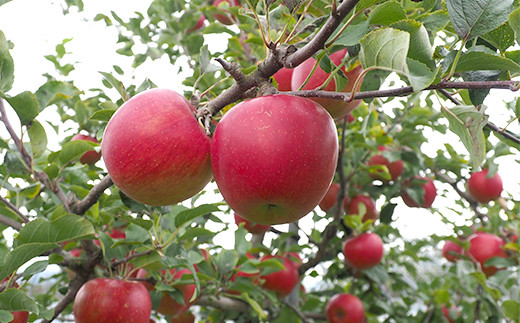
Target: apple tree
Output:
{"points": [[272, 185]]}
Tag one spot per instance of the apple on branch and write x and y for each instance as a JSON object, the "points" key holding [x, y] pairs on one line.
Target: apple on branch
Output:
{"points": [[352, 207], [428, 189], [345, 308], [364, 251], [91, 156], [485, 188], [281, 282], [484, 246]]}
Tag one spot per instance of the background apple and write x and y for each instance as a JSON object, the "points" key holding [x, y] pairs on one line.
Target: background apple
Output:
{"points": [[251, 227], [446, 312], [330, 197], [352, 207], [20, 317], [261, 154], [364, 251], [484, 188], [225, 17], [345, 308], [283, 78], [91, 156], [449, 249], [337, 109], [112, 300], [284, 281], [198, 25], [154, 149], [484, 246], [395, 168], [430, 192], [168, 305]]}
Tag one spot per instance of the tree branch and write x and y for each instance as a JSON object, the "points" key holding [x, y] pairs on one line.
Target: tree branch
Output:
{"points": [[82, 206], [10, 222], [14, 208]]}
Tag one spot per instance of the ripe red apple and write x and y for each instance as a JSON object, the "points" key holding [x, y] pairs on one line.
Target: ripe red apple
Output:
{"points": [[352, 207], [336, 108], [484, 246], [430, 192], [283, 78], [449, 249], [112, 300], [394, 168], [168, 305], [446, 312], [284, 281], [251, 227], [225, 17], [484, 188], [198, 25], [186, 317], [20, 317], [345, 308], [154, 149], [91, 156], [330, 197], [364, 251], [274, 157]]}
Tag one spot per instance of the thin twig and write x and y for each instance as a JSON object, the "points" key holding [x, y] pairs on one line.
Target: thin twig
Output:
{"points": [[295, 310], [10, 222], [14, 208]]}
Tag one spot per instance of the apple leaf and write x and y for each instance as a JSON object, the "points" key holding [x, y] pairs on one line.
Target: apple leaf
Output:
{"points": [[473, 18], [73, 150], [419, 75], [242, 245], [477, 96], [36, 267], [21, 254], [352, 35], [6, 65], [502, 37], [55, 91], [467, 122], [420, 48], [68, 227], [262, 315], [386, 13], [512, 309], [25, 105], [364, 4], [102, 115], [478, 60], [114, 82], [434, 21], [6, 316], [385, 48], [190, 214], [38, 138], [226, 260], [385, 216], [514, 22], [14, 299]]}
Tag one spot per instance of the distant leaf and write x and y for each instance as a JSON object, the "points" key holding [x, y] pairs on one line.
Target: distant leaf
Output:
{"points": [[472, 18], [6, 64], [55, 91], [22, 254], [73, 150], [514, 22], [190, 214], [68, 227], [467, 122], [38, 138], [385, 48], [102, 115], [476, 60], [14, 299], [502, 37], [25, 105], [256, 307], [2, 2], [118, 85], [512, 309], [386, 13], [226, 260], [386, 213]]}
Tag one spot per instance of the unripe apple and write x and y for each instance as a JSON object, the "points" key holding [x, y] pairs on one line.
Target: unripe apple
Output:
{"points": [[330, 197], [251, 227], [430, 192], [274, 157], [154, 149], [364, 251], [449, 249], [91, 156], [484, 246], [345, 308], [395, 168], [225, 17], [112, 300], [484, 188], [352, 207], [336, 108], [284, 281], [283, 78]]}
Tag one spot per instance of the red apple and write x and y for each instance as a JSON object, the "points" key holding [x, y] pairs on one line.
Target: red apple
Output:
{"points": [[20, 317], [364, 251], [283, 78], [449, 249], [484, 246], [350, 118], [186, 317], [141, 274], [446, 312], [484, 188], [112, 300], [91, 156], [395, 169], [336, 108], [168, 305], [251, 227], [330, 197], [225, 17], [198, 25], [155, 150], [430, 192], [352, 207], [274, 157], [284, 281], [345, 308]]}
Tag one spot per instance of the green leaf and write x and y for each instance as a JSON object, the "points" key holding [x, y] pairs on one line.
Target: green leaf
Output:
{"points": [[118, 85], [21, 254], [25, 105], [6, 64], [477, 60], [36, 267], [467, 122], [420, 47], [434, 21], [514, 22], [68, 227], [14, 300], [511, 309], [364, 4], [190, 214], [385, 48], [502, 38], [385, 216], [226, 260], [102, 115], [256, 307], [419, 75], [472, 18], [242, 245], [386, 13], [38, 138], [55, 91], [73, 150], [2, 2], [477, 96], [352, 34]]}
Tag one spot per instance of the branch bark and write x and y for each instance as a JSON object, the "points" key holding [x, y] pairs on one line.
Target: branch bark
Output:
{"points": [[82, 206], [10, 222], [15, 209]]}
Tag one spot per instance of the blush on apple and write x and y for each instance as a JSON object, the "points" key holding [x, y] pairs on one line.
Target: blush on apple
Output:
{"points": [[91, 156], [154, 149], [284, 281], [336, 108], [395, 168], [330, 197], [274, 157], [251, 227], [483, 188], [430, 192], [364, 251], [484, 246], [345, 308], [351, 207]]}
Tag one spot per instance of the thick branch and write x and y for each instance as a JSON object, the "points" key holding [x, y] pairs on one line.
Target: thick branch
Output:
{"points": [[15, 209], [224, 303], [74, 287], [82, 206]]}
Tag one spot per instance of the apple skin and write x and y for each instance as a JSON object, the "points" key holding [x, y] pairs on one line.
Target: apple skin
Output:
{"points": [[112, 300], [283, 78], [352, 207], [484, 189], [484, 246], [254, 228], [91, 156], [329, 200], [225, 17], [345, 308], [20, 317], [154, 149], [274, 157], [364, 251], [453, 247], [394, 168], [430, 192], [336, 108], [284, 281]]}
